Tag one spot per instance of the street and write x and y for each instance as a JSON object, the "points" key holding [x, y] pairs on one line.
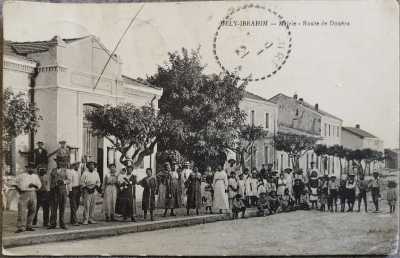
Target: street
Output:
{"points": [[299, 232]]}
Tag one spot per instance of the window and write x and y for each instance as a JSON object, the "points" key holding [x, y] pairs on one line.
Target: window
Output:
{"points": [[266, 161], [329, 130], [252, 117], [338, 135], [266, 120], [325, 129], [333, 130]]}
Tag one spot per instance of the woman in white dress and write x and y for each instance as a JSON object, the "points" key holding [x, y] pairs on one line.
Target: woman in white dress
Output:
{"points": [[220, 185]]}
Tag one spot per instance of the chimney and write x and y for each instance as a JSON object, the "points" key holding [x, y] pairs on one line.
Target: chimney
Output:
{"points": [[295, 96], [316, 106], [357, 126]]}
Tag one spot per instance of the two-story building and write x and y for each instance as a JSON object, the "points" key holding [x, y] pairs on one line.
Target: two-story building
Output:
{"points": [[296, 116], [62, 76], [260, 112]]}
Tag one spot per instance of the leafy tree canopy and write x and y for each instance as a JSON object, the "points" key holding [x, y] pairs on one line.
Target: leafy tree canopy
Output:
{"points": [[133, 131], [207, 106], [19, 115]]}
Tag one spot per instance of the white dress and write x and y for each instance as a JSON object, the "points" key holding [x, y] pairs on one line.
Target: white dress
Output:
{"points": [[220, 184]]}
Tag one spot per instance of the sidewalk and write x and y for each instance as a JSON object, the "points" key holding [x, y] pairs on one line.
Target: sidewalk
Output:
{"points": [[102, 228]]}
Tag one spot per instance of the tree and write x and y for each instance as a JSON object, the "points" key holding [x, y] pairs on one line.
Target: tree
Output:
{"points": [[294, 145], [133, 131], [248, 136], [206, 106], [339, 151], [320, 150], [20, 116]]}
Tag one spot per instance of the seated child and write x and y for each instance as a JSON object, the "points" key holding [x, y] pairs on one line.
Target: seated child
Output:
{"points": [[273, 202], [262, 205], [304, 200], [287, 202], [391, 195], [238, 206]]}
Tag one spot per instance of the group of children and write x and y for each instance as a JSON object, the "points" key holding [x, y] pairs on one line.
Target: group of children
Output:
{"points": [[290, 191]]}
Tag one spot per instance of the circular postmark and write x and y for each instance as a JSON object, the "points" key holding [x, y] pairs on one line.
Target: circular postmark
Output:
{"points": [[252, 42]]}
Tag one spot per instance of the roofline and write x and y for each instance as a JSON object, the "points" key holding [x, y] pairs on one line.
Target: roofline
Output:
{"points": [[310, 108], [145, 84], [346, 128]]}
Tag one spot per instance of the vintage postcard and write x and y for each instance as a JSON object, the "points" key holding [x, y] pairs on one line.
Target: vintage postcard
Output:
{"points": [[200, 128]]}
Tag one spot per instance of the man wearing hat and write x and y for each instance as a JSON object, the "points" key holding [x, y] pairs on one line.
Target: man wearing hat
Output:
{"points": [[362, 186], [351, 191], [90, 182], [375, 189], [74, 191], [58, 192], [63, 153], [27, 184], [43, 197], [40, 156]]}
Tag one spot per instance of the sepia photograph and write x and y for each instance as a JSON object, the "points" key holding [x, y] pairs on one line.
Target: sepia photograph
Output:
{"points": [[213, 128]]}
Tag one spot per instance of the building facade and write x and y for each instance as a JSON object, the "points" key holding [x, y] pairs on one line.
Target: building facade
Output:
{"points": [[260, 112], [296, 116], [357, 138], [62, 77]]}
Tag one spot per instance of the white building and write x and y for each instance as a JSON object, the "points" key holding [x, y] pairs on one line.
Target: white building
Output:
{"points": [[61, 74], [297, 116], [260, 112], [357, 138]]}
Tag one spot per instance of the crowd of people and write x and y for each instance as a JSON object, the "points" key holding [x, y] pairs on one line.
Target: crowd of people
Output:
{"points": [[225, 190]]}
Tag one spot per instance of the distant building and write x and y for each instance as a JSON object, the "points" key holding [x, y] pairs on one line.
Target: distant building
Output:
{"points": [[392, 158], [60, 75], [297, 116], [356, 138], [260, 112]]}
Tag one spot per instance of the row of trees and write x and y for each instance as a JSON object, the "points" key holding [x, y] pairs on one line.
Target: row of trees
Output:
{"points": [[359, 158]]}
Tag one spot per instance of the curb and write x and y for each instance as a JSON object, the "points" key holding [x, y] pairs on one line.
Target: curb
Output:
{"points": [[114, 230]]}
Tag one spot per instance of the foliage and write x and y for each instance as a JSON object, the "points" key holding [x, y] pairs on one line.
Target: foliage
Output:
{"points": [[294, 145], [207, 107], [248, 135], [20, 116], [170, 156], [320, 149], [133, 131]]}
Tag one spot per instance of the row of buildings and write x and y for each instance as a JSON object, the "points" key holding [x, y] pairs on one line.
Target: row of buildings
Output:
{"points": [[60, 74], [282, 113]]}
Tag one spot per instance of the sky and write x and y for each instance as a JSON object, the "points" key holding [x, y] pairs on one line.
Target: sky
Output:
{"points": [[351, 71]]}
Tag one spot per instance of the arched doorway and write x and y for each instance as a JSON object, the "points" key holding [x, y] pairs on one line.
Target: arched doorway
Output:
{"points": [[92, 146]]}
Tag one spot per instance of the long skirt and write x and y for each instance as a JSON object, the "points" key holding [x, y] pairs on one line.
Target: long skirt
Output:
{"points": [[110, 199], [162, 192], [220, 197], [127, 203]]}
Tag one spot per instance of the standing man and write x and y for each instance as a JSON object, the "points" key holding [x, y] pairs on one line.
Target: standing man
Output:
{"points": [[263, 172], [27, 184], [43, 197], [74, 191], [58, 192], [375, 189], [362, 186], [90, 182], [40, 156], [63, 153]]}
